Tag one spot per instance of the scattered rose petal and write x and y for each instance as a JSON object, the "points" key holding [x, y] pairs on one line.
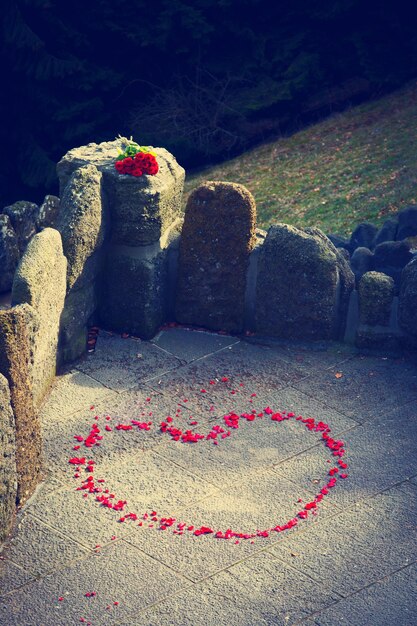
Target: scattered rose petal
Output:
{"points": [[217, 433]]}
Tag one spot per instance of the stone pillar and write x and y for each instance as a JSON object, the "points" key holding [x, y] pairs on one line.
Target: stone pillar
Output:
{"points": [[9, 253], [8, 475], [300, 291], [376, 293], [15, 362], [23, 216], [408, 301], [218, 235], [83, 224], [144, 220], [40, 281], [376, 299]]}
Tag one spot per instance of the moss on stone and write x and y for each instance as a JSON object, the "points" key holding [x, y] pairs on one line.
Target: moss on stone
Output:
{"points": [[408, 299], [376, 293], [82, 220], [14, 365], [141, 208], [8, 475], [217, 238], [135, 289], [298, 285], [40, 281]]}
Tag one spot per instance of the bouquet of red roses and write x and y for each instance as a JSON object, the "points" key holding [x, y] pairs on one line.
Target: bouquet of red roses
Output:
{"points": [[137, 160]]}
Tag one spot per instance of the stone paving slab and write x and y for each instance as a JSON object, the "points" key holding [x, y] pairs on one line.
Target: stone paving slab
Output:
{"points": [[11, 577], [142, 405], [145, 480], [391, 601], [149, 482], [258, 444], [261, 590], [367, 387], [380, 454], [358, 546], [120, 573], [200, 606], [260, 369], [38, 550], [287, 400], [70, 393], [122, 363], [362, 535], [308, 356], [189, 345], [258, 501], [393, 523], [81, 519]]}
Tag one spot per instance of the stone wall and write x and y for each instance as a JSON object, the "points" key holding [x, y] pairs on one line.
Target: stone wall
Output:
{"points": [[408, 302], [28, 359], [217, 238], [19, 222], [40, 281], [136, 262], [8, 474], [119, 231], [16, 345], [298, 285], [82, 222]]}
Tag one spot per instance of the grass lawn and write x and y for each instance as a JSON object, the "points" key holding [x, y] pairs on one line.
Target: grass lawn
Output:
{"points": [[360, 165]]}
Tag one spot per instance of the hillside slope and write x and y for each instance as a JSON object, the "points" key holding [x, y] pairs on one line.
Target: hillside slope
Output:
{"points": [[354, 166]]}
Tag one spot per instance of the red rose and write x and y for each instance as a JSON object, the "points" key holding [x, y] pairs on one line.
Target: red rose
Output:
{"points": [[150, 164], [153, 169], [128, 162], [141, 163]]}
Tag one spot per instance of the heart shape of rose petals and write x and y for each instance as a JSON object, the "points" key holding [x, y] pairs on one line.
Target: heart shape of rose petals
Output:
{"points": [[89, 485]]}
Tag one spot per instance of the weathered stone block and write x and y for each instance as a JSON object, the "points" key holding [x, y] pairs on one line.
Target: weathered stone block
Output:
{"points": [[407, 223], [363, 236], [361, 262], [82, 221], [141, 208], [80, 305], [23, 216], [135, 290], [346, 286], [15, 365], [408, 299], [346, 279], [378, 338], [298, 288], [40, 281], [9, 253], [376, 294], [339, 242], [217, 238], [387, 232], [74, 347], [8, 473], [48, 212], [391, 254]]}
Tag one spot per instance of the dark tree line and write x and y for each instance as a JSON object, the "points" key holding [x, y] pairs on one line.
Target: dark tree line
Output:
{"points": [[205, 78]]}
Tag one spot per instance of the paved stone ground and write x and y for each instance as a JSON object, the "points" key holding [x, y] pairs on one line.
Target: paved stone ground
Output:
{"points": [[354, 563]]}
